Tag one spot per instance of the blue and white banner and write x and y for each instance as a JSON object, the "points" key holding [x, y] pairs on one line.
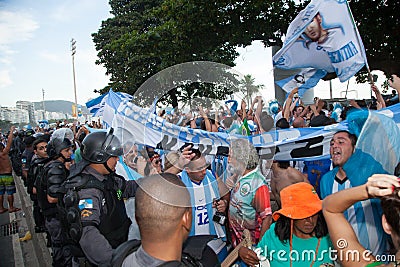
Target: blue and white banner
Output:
{"points": [[96, 106], [323, 36], [306, 79], [139, 125]]}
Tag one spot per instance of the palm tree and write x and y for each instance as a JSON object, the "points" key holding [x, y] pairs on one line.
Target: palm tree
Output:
{"points": [[248, 88]]}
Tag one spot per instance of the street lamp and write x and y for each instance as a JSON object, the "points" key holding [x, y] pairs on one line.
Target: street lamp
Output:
{"points": [[44, 109], [73, 51]]}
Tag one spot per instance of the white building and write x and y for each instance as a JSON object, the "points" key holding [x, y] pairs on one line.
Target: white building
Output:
{"points": [[39, 115], [14, 115], [26, 105]]}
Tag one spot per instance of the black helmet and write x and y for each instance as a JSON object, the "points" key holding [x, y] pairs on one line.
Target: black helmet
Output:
{"points": [[98, 147], [55, 146], [29, 132]]}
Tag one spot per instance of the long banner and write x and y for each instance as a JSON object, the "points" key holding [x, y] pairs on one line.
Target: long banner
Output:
{"points": [[140, 125]]}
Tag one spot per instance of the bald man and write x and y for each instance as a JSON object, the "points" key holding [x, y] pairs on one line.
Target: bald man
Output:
{"points": [[164, 216]]}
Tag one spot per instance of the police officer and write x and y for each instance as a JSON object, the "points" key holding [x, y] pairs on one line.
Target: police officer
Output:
{"points": [[17, 147], [102, 215], [55, 173], [26, 159], [37, 165]]}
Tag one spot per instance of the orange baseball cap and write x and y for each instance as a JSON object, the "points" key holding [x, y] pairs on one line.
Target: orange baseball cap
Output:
{"points": [[299, 201]]}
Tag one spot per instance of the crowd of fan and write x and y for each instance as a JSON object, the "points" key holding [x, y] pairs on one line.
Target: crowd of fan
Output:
{"points": [[91, 194]]}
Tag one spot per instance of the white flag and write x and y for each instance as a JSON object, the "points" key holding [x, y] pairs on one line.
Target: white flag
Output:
{"points": [[323, 36]]}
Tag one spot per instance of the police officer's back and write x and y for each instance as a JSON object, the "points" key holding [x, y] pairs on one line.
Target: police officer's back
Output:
{"points": [[96, 192]]}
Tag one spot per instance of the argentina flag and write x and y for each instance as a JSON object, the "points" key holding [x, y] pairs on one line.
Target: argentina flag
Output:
{"points": [[306, 79], [378, 145], [378, 131], [95, 104], [323, 36]]}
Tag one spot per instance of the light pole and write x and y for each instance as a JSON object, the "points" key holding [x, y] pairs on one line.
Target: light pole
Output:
{"points": [[44, 109], [73, 51]]}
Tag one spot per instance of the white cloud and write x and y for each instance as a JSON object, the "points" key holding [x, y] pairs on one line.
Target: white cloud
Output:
{"points": [[5, 79], [16, 27], [72, 9]]}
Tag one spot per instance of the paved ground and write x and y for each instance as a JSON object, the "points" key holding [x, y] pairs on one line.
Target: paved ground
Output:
{"points": [[13, 252]]}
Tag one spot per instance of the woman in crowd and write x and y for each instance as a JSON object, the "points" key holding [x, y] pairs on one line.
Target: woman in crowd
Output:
{"points": [[299, 237]]}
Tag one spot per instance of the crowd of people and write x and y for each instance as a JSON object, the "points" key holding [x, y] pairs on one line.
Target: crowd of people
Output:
{"points": [[101, 202]]}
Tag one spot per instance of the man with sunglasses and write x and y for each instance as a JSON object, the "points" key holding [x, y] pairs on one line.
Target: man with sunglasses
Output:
{"points": [[94, 199]]}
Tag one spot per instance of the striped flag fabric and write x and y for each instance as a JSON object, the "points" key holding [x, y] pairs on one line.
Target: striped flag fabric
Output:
{"points": [[323, 36], [306, 79]]}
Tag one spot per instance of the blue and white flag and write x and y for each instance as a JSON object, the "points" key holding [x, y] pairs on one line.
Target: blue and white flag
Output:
{"points": [[95, 104], [306, 79], [153, 107], [136, 123], [323, 36]]}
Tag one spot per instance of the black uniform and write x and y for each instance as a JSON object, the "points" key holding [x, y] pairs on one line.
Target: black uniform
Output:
{"points": [[49, 183], [102, 215], [35, 170]]}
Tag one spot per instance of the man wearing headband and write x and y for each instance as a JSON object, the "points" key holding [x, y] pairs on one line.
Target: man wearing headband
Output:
{"points": [[299, 237]]}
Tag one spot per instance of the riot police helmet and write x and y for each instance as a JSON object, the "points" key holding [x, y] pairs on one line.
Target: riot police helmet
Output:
{"points": [[55, 146], [29, 132], [98, 147]]}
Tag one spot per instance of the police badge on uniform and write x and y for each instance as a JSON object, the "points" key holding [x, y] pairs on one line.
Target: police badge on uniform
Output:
{"points": [[86, 203]]}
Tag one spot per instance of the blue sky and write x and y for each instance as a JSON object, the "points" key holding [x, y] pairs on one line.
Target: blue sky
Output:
{"points": [[35, 53], [35, 49]]}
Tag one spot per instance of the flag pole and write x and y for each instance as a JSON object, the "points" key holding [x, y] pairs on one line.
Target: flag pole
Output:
{"points": [[360, 44]]}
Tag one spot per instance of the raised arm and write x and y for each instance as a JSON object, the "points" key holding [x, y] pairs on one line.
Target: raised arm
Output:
{"points": [[206, 120], [286, 108], [9, 140], [379, 97], [339, 228]]}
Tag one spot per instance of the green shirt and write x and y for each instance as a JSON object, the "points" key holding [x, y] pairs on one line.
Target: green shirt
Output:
{"points": [[303, 250]]}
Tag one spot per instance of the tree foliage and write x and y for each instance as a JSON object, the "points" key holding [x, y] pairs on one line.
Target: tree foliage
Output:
{"points": [[145, 37], [248, 88], [379, 25]]}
